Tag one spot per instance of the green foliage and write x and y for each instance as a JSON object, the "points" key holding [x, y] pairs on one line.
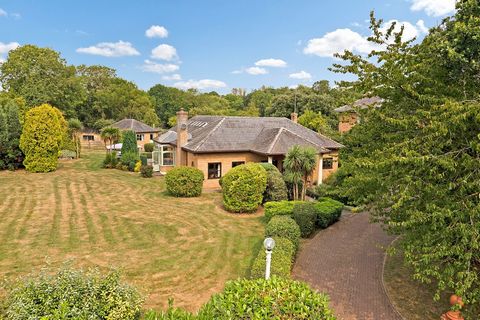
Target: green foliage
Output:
{"points": [[129, 142], [305, 215], [111, 135], [260, 299], [43, 133], [278, 208], [328, 211], [148, 147], [143, 159], [282, 260], [299, 164], [283, 227], [11, 155], [72, 294], [184, 182], [276, 189], [415, 159], [111, 160], [129, 159], [243, 187], [67, 154], [317, 122], [146, 171]]}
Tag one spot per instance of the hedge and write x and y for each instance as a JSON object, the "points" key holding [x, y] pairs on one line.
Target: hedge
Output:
{"points": [[328, 211], [184, 182], [276, 188], [243, 187], [276, 298], [279, 208], [305, 215], [283, 227], [282, 258]]}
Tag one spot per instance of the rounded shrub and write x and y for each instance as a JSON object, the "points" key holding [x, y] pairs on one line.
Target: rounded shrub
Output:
{"points": [[276, 188], [283, 227], [243, 187], [282, 258], [305, 215], [148, 147], [276, 298], [146, 171], [72, 294], [184, 182]]}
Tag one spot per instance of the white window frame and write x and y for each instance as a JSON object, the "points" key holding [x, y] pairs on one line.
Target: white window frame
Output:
{"points": [[163, 150], [141, 136]]}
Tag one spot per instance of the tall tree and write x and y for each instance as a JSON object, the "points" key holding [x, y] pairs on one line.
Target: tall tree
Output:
{"points": [[11, 156]]}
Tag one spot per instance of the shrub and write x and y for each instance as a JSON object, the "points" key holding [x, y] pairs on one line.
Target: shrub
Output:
{"points": [[11, 156], [143, 159], [44, 131], [72, 294], [328, 211], [111, 160], [243, 187], [129, 142], [276, 188], [128, 158], [305, 215], [148, 147], [138, 165], [276, 298], [146, 171], [283, 227], [279, 208], [67, 154], [184, 182], [282, 258], [171, 313]]}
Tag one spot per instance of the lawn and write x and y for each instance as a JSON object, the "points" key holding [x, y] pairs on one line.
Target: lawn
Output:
{"points": [[180, 248]]}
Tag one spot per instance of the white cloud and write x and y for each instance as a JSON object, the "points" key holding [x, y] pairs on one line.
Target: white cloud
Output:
{"points": [[5, 47], [173, 77], [156, 32], [164, 52], [111, 49], [3, 13], [274, 63], [200, 84], [434, 8], [256, 71], [421, 26], [409, 30], [302, 75], [151, 66]]}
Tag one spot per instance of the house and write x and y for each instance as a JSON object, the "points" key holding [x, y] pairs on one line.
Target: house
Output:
{"points": [[215, 144], [145, 133], [349, 116], [91, 139]]}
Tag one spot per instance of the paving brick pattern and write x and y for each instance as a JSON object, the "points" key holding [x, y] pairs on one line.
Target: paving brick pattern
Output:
{"points": [[345, 261]]}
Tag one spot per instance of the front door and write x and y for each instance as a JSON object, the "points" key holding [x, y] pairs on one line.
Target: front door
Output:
{"points": [[156, 161]]}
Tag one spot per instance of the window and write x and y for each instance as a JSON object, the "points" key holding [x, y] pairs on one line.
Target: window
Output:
{"points": [[327, 163], [214, 170], [168, 156], [140, 137], [151, 136], [88, 137], [237, 163]]}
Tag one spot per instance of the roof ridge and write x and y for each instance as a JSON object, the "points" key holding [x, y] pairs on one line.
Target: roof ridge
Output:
{"points": [[209, 134], [306, 139], [275, 140]]}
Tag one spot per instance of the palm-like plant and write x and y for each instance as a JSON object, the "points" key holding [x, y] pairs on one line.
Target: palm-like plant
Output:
{"points": [[75, 126], [110, 134], [299, 164]]}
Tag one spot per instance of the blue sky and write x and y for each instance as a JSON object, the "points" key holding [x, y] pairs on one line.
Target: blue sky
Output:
{"points": [[211, 44]]}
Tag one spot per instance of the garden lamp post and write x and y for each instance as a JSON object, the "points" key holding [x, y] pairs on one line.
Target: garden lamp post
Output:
{"points": [[269, 244]]}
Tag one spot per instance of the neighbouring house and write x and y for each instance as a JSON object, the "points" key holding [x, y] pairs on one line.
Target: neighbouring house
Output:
{"points": [[349, 115], [215, 144], [90, 139], [145, 133]]}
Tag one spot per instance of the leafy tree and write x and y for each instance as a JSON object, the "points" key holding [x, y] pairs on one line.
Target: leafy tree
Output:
{"points": [[299, 164], [44, 131], [415, 159], [11, 156], [167, 101], [316, 122], [111, 135], [129, 142]]}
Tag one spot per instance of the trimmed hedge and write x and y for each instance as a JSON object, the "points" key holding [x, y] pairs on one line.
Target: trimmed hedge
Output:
{"points": [[305, 215], [243, 187], [184, 182], [276, 188], [275, 298], [283, 227], [328, 211], [279, 208], [282, 258]]}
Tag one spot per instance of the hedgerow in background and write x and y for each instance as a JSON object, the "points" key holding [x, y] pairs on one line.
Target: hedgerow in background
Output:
{"points": [[11, 156], [44, 131], [276, 189], [283, 227], [282, 259], [275, 298], [243, 187], [184, 182], [72, 294], [305, 215]]}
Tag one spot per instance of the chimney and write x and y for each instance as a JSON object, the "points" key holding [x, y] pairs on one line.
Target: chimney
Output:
{"points": [[294, 117], [182, 136]]}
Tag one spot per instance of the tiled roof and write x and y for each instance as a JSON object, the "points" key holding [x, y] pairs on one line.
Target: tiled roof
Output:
{"points": [[361, 104], [266, 135], [135, 125]]}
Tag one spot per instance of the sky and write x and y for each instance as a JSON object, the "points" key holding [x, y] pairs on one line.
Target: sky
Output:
{"points": [[210, 44]]}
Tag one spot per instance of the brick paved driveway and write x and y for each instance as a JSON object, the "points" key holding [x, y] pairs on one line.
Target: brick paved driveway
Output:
{"points": [[346, 261]]}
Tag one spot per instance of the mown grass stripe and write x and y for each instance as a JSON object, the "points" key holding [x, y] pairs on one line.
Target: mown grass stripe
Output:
{"points": [[54, 235], [73, 236], [92, 232], [17, 212]]}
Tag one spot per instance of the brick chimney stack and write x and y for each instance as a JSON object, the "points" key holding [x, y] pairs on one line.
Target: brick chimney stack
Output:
{"points": [[294, 117], [182, 136]]}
